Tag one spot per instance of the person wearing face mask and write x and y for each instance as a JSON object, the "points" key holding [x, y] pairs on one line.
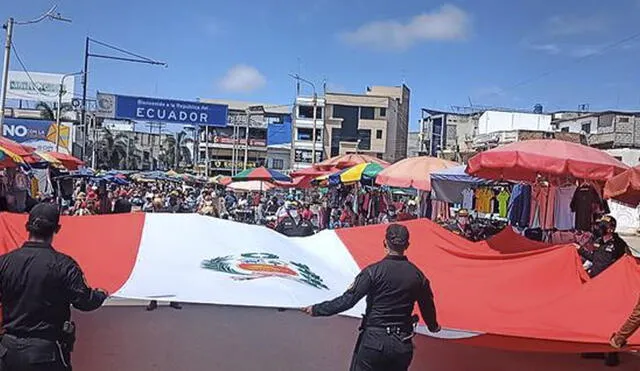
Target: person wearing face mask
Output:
{"points": [[609, 247], [460, 224]]}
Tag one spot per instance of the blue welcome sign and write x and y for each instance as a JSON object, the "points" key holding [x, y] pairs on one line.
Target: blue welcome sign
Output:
{"points": [[165, 110]]}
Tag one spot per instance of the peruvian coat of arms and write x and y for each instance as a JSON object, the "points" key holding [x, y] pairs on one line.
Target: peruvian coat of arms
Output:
{"points": [[250, 266]]}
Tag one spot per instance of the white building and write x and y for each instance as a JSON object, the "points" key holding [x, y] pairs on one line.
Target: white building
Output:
{"points": [[302, 132], [495, 121]]}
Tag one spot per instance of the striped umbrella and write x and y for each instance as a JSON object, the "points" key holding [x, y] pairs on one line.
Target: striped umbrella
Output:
{"points": [[261, 173], [361, 172]]}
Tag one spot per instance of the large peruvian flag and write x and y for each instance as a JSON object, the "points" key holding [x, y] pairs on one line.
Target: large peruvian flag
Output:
{"points": [[508, 292]]}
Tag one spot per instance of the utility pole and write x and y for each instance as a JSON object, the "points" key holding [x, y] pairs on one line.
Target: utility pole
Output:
{"points": [[50, 14], [315, 114], [258, 110], [246, 140], [133, 58], [5, 72], [61, 92]]}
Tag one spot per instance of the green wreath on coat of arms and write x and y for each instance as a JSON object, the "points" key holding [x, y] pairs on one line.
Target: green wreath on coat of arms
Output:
{"points": [[250, 266]]}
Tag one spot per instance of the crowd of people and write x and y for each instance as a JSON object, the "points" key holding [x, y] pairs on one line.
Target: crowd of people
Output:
{"points": [[308, 211]]}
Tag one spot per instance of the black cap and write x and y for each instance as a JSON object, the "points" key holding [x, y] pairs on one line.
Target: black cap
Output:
{"points": [[44, 216], [397, 236]]}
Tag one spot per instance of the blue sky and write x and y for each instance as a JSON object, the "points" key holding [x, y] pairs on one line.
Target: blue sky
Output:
{"points": [[494, 52]]}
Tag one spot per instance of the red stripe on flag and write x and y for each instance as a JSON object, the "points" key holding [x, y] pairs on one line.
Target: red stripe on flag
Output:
{"points": [[106, 247]]}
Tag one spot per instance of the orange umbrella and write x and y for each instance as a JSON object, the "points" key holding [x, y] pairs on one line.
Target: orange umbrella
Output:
{"points": [[624, 187], [349, 160], [413, 172], [68, 161]]}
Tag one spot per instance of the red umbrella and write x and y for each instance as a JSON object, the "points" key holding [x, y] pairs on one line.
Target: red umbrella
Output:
{"points": [[26, 152], [624, 187], [68, 161], [349, 160], [525, 160], [413, 172]]}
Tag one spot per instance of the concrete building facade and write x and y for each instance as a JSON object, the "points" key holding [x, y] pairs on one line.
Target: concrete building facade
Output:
{"points": [[301, 155], [375, 123], [225, 148]]}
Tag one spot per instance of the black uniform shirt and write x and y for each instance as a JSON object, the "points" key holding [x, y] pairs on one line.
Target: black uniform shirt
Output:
{"points": [[290, 228], [605, 255], [37, 286], [392, 287]]}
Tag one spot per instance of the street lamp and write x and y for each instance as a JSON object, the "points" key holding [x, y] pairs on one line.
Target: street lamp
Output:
{"points": [[61, 91], [50, 14], [315, 115]]}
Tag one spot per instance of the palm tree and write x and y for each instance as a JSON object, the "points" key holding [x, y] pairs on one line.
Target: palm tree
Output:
{"points": [[176, 151], [49, 113], [115, 151]]}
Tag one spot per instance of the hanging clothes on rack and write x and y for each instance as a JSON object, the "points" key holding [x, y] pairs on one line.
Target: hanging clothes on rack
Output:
{"points": [[503, 202], [467, 198], [586, 203], [519, 207], [564, 218], [542, 206], [483, 200]]}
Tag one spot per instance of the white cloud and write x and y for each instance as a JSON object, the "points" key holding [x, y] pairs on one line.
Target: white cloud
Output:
{"points": [[446, 23], [585, 51], [547, 48], [242, 78], [559, 25]]}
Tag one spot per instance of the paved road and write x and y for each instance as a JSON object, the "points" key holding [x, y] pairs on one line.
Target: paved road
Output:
{"points": [[201, 337]]}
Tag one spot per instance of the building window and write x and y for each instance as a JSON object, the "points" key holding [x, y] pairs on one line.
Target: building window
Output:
{"points": [[366, 113], [277, 163], [565, 129], [623, 119], [306, 112], [586, 127], [364, 139], [383, 112], [378, 134], [306, 133]]}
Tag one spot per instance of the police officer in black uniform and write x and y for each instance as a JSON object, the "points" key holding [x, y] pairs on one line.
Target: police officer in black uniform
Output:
{"points": [[392, 286], [37, 287], [609, 246], [293, 225]]}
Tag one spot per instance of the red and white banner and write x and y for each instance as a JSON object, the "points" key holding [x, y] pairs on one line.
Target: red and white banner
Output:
{"points": [[508, 292]]}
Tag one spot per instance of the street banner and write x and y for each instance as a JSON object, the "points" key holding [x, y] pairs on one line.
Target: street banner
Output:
{"points": [[40, 134], [161, 110]]}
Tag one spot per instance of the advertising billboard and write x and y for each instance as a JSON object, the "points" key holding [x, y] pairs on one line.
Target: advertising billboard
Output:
{"points": [[161, 110], [37, 86], [41, 134]]}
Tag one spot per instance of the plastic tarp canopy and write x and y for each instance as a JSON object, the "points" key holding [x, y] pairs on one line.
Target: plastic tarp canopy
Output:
{"points": [[447, 184]]}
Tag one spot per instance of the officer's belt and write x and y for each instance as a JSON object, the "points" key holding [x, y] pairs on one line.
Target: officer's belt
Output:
{"points": [[391, 329], [27, 336]]}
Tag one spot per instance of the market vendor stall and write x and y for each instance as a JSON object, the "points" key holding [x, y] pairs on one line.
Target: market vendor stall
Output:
{"points": [[560, 191], [455, 186]]}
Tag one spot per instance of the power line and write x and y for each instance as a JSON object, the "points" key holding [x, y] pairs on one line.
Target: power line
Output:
{"points": [[569, 64], [153, 61], [24, 68]]}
